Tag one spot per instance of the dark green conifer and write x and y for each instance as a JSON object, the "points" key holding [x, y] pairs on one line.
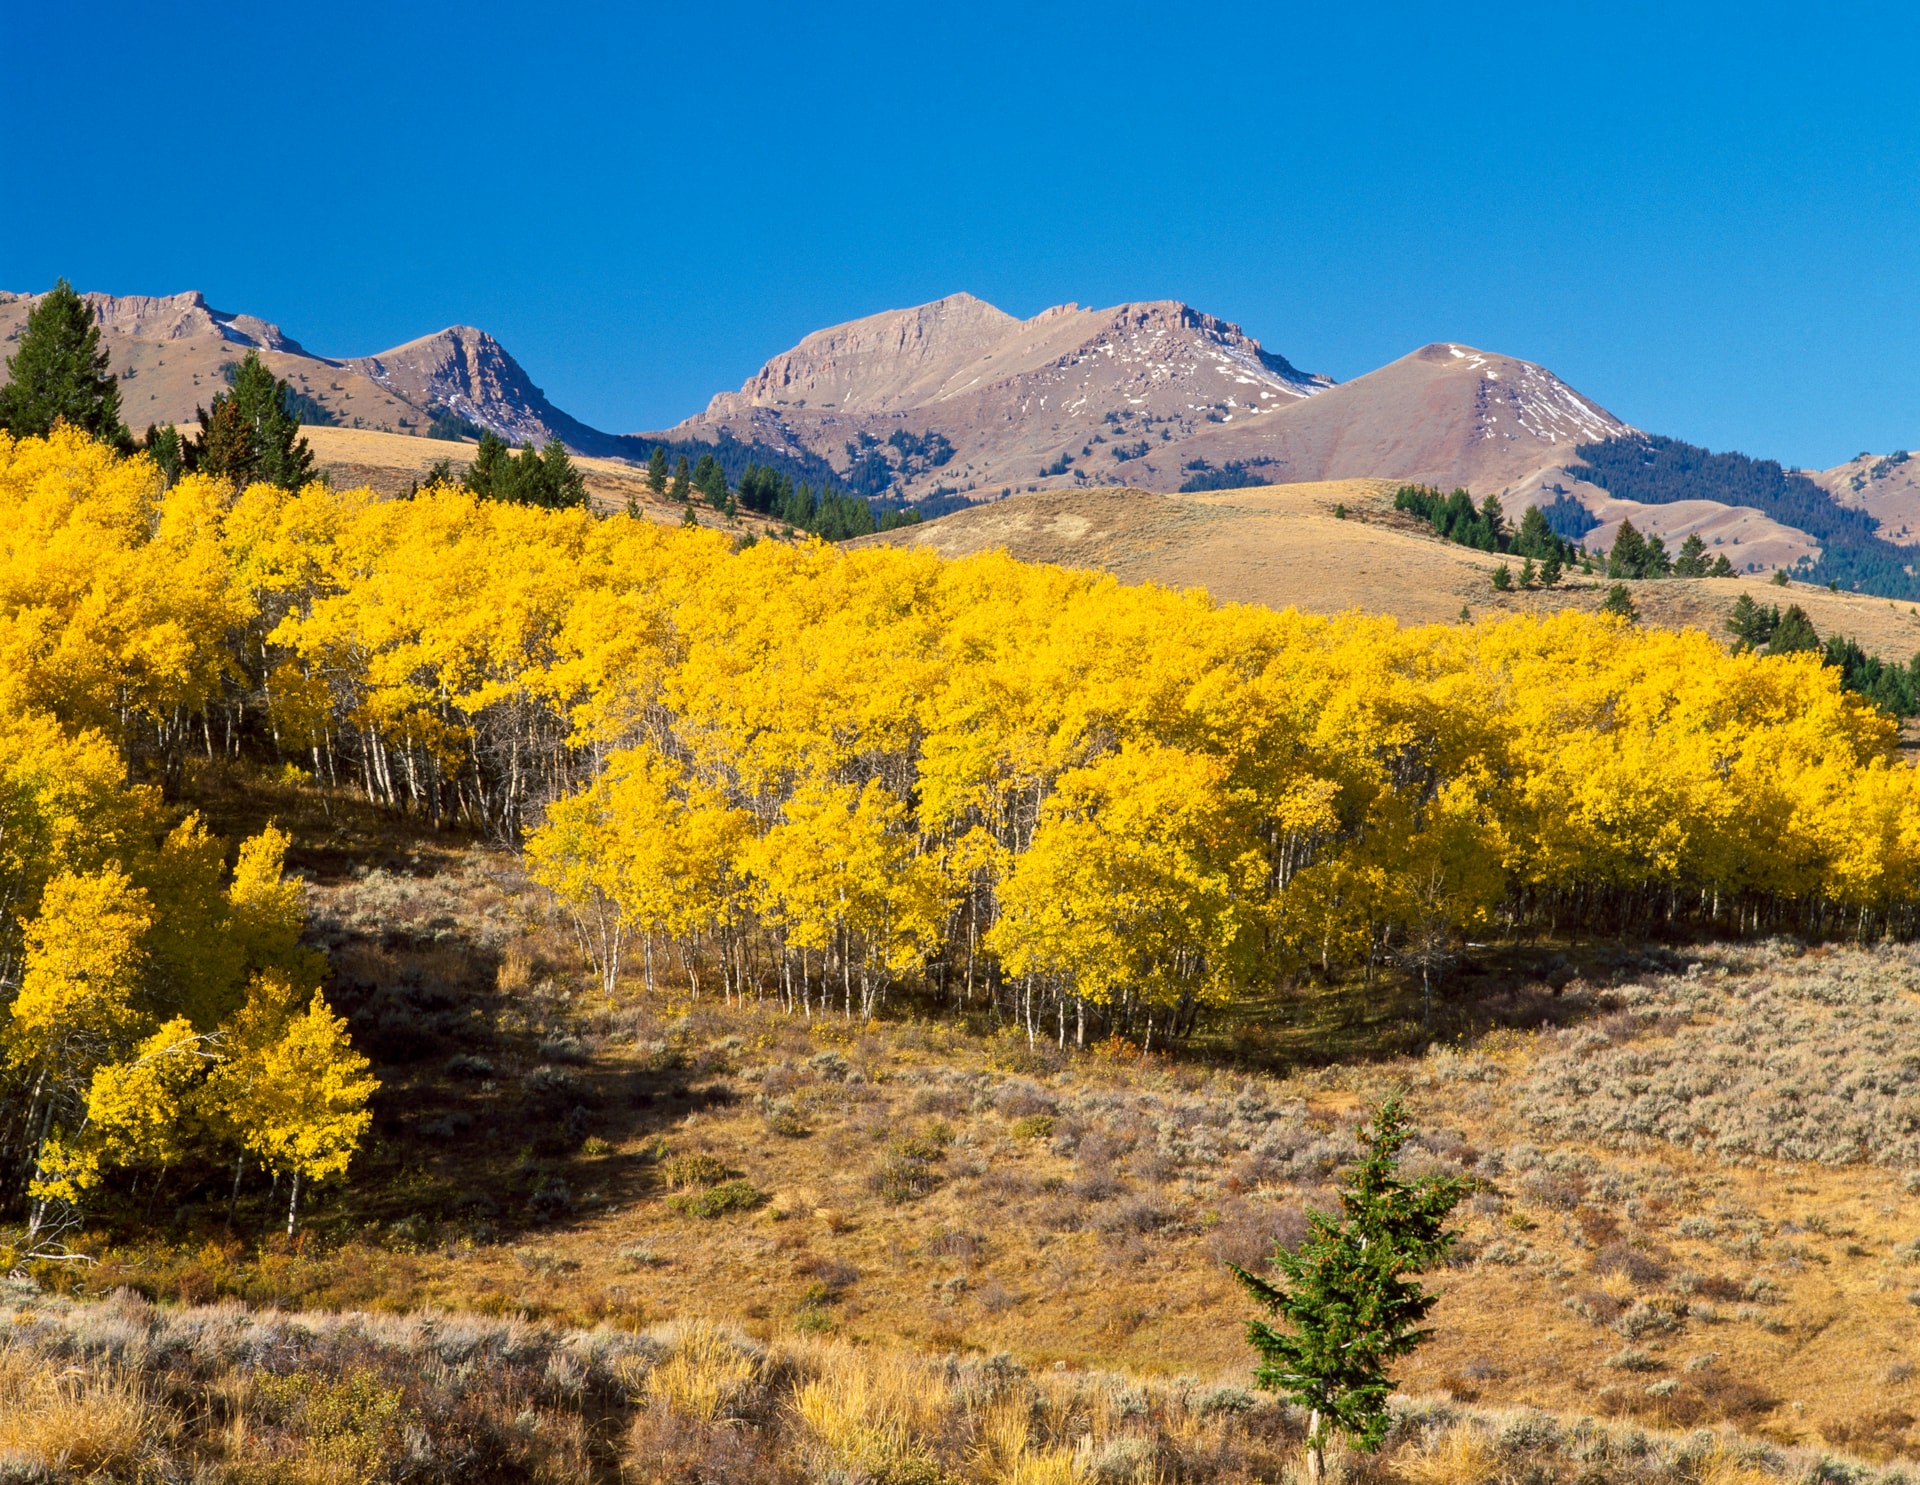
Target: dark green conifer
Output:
{"points": [[1535, 537], [1349, 1297], [1619, 602], [1692, 561], [167, 450], [1493, 523], [1793, 634], [657, 470], [1502, 578], [682, 480], [487, 476], [226, 445], [60, 373], [252, 434]]}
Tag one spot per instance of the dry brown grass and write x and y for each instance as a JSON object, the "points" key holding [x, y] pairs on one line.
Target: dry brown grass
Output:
{"points": [[259, 1397], [75, 1421], [1284, 546], [1771, 1295]]}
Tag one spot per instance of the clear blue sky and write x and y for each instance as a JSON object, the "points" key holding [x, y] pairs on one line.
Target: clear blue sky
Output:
{"points": [[1706, 217]]}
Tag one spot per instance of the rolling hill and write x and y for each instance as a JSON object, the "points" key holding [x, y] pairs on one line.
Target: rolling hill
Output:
{"points": [[1287, 545]]}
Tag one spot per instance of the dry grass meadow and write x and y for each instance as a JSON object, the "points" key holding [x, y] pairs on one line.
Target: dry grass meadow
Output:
{"points": [[1691, 1221], [1289, 546]]}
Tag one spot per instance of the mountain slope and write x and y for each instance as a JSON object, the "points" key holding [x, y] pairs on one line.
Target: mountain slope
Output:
{"points": [[170, 350], [172, 353], [469, 373], [1885, 486], [1446, 415], [957, 397], [1659, 471]]}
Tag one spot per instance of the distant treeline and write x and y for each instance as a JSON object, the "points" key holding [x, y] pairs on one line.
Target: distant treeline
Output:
{"points": [[1484, 527], [1661, 471], [546, 477]]}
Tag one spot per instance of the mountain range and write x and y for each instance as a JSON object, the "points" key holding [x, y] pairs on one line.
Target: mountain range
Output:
{"points": [[956, 402]]}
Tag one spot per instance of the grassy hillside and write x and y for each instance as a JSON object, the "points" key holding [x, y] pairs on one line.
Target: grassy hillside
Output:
{"points": [[124, 1390], [393, 463], [1641, 1243], [1284, 545]]}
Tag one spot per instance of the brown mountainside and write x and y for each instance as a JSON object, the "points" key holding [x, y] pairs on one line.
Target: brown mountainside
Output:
{"points": [[1008, 397], [170, 351]]}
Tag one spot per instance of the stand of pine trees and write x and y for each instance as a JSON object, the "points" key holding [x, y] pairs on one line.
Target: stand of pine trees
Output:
{"points": [[1769, 630], [542, 477]]}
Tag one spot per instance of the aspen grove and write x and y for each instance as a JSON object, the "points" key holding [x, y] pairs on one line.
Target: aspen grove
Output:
{"points": [[787, 770]]}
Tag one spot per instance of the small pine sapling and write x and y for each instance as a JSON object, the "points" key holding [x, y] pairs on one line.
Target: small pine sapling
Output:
{"points": [[1502, 578], [1348, 1295], [1528, 575]]}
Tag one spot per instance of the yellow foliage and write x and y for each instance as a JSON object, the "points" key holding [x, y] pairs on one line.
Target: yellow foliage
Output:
{"points": [[863, 760], [294, 1089], [83, 961]]}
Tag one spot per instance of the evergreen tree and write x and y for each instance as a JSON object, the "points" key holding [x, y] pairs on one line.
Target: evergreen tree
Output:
{"points": [[1619, 602], [1502, 578], [1551, 570], [1780, 578], [488, 474], [226, 444], [1535, 537], [167, 450], [1692, 561], [562, 487], [1349, 1296], [1493, 521], [60, 373], [1629, 554], [682, 480], [1750, 624], [1793, 634], [687, 517], [657, 470], [252, 434], [1721, 567], [711, 481], [1528, 576]]}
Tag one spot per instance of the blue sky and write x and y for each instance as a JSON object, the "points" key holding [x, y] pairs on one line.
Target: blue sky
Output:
{"points": [[1705, 217]]}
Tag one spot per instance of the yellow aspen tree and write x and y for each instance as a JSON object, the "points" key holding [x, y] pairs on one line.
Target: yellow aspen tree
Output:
{"points": [[267, 912], [136, 1114], [76, 1009], [1136, 883], [296, 1095]]}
